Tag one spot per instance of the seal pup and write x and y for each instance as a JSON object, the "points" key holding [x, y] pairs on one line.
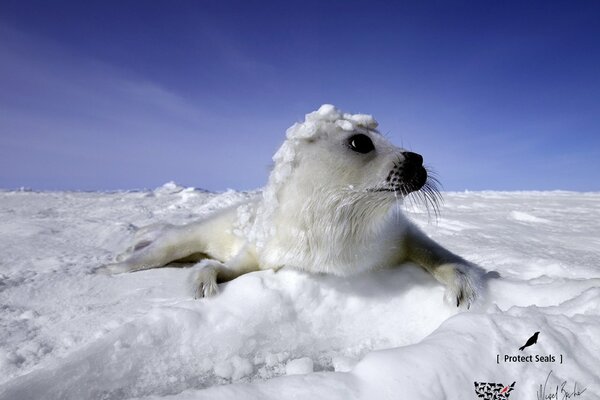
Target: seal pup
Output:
{"points": [[331, 205]]}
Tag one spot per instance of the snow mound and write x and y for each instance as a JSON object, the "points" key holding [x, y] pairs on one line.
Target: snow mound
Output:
{"points": [[67, 333]]}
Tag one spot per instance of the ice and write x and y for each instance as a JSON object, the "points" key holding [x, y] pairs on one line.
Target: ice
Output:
{"points": [[299, 366], [68, 333], [526, 217]]}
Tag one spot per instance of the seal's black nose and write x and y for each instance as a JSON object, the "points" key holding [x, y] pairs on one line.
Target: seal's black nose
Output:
{"points": [[412, 159], [413, 173]]}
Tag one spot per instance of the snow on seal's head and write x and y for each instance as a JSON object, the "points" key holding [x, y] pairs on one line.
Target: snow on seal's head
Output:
{"points": [[335, 179]]}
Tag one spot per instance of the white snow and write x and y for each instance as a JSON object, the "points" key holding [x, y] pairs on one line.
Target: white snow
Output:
{"points": [[299, 366], [68, 333]]}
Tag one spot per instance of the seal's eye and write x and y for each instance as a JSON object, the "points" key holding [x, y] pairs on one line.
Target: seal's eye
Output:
{"points": [[361, 143]]}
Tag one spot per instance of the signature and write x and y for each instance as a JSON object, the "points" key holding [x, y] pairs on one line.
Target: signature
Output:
{"points": [[559, 392]]}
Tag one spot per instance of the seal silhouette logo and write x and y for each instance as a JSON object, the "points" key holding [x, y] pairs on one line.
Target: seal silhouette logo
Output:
{"points": [[531, 341], [493, 391]]}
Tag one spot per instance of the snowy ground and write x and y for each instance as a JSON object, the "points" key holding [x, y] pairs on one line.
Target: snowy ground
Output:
{"points": [[67, 333]]}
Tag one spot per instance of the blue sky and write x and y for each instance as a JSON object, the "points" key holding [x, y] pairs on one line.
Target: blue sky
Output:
{"points": [[104, 95]]}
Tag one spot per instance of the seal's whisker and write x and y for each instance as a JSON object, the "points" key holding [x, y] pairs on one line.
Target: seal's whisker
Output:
{"points": [[427, 196], [433, 196]]}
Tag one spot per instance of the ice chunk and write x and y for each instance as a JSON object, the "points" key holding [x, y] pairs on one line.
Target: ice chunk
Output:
{"points": [[299, 366]]}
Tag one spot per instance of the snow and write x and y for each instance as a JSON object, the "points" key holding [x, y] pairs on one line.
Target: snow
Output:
{"points": [[299, 366], [68, 333], [325, 119]]}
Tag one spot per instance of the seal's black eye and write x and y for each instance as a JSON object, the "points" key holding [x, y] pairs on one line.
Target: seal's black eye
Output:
{"points": [[361, 143]]}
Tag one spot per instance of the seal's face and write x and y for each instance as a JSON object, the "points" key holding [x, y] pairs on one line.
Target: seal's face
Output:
{"points": [[407, 173], [359, 160], [334, 155]]}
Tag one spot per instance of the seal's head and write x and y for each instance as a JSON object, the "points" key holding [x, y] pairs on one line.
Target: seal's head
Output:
{"points": [[333, 151]]}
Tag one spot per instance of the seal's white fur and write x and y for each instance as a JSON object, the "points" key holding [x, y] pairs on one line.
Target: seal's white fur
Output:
{"points": [[322, 211]]}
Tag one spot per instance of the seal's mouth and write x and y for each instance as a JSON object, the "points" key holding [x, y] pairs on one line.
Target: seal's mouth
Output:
{"points": [[416, 180], [406, 176], [409, 176], [405, 182]]}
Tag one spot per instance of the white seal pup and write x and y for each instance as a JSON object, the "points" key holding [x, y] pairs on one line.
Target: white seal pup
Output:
{"points": [[331, 205]]}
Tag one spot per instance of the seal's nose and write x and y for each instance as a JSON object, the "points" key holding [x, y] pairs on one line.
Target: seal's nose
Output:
{"points": [[413, 172], [412, 159]]}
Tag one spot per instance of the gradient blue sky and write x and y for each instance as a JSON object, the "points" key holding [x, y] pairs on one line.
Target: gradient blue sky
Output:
{"points": [[103, 95]]}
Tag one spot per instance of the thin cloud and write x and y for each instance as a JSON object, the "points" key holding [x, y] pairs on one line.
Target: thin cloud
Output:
{"points": [[87, 116]]}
